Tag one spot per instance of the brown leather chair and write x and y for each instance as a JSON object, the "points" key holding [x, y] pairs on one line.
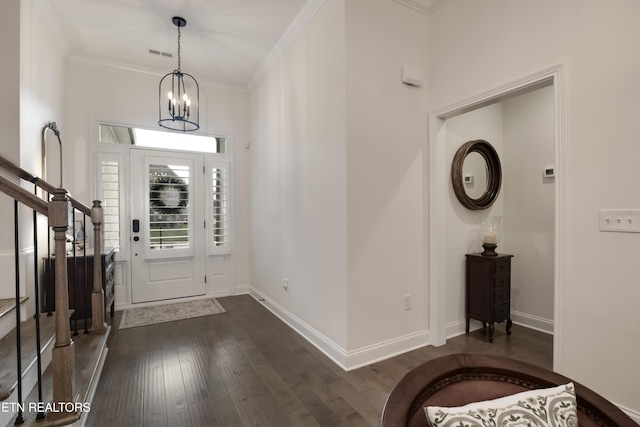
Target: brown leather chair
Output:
{"points": [[459, 379]]}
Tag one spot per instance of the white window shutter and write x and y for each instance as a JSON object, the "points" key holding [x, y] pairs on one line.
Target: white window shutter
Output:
{"points": [[219, 208]]}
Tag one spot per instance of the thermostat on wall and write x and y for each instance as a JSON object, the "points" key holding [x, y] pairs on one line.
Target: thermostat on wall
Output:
{"points": [[549, 172], [468, 179]]}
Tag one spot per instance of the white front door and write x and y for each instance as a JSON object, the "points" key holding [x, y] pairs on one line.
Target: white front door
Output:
{"points": [[167, 220]]}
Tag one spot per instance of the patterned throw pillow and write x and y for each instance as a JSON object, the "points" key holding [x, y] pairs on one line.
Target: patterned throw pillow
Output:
{"points": [[554, 407]]}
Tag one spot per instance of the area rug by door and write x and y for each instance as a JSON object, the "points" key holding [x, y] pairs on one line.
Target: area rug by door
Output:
{"points": [[143, 316]]}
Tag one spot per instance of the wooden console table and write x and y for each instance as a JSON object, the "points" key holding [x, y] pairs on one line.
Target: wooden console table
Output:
{"points": [[488, 284], [79, 291]]}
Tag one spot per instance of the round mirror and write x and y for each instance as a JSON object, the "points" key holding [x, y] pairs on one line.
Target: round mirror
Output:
{"points": [[476, 174]]}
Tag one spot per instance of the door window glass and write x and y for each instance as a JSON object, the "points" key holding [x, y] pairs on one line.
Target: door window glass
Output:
{"points": [[168, 207]]}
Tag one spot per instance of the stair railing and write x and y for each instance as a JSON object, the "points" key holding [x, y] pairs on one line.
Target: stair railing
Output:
{"points": [[57, 211], [96, 215]]}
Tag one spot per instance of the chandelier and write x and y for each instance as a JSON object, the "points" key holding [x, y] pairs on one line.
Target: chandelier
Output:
{"points": [[177, 109]]}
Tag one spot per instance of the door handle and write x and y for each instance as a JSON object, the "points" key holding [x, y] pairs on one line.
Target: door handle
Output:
{"points": [[136, 225]]}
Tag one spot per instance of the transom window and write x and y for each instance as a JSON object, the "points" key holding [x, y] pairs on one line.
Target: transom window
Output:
{"points": [[112, 134]]}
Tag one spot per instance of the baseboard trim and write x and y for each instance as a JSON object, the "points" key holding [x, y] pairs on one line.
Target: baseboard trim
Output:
{"points": [[347, 360], [527, 320], [457, 328], [333, 351], [387, 349], [532, 322], [242, 290]]}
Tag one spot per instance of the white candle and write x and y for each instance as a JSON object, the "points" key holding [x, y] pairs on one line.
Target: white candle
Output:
{"points": [[489, 237]]}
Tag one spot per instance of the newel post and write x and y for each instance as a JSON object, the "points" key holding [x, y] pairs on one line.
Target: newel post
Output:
{"points": [[97, 296], [63, 353]]}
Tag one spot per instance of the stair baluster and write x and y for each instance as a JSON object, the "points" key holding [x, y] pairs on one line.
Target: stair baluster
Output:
{"points": [[20, 416], [86, 273], [75, 270], [36, 286]]}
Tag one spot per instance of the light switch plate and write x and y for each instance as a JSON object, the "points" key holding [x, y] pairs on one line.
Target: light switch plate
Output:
{"points": [[620, 220]]}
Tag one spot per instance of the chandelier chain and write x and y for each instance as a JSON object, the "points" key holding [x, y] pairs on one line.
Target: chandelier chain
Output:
{"points": [[178, 48]]}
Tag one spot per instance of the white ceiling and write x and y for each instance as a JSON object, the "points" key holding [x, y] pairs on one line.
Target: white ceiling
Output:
{"points": [[225, 41]]}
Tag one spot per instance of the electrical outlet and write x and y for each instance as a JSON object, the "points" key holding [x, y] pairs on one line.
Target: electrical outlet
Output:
{"points": [[407, 302], [620, 220], [285, 284]]}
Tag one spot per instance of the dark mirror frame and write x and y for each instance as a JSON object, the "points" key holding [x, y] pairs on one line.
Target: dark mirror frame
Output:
{"points": [[494, 174]]}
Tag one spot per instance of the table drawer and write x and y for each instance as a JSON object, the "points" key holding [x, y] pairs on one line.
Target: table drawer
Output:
{"points": [[501, 296], [501, 312], [503, 266], [501, 281]]}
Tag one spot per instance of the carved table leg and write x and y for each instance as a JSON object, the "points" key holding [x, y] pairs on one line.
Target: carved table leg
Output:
{"points": [[491, 329], [509, 323]]}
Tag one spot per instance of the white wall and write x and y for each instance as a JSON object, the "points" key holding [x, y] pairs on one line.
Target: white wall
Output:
{"points": [[386, 131], [478, 46], [129, 98], [462, 223], [335, 103], [33, 98], [10, 72], [42, 94], [529, 205], [9, 123], [298, 176], [42, 100]]}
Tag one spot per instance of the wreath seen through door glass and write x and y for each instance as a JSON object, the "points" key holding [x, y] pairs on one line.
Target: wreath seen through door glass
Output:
{"points": [[168, 195]]}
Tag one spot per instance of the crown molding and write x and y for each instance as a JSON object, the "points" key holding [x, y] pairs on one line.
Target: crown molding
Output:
{"points": [[423, 6], [294, 29], [100, 64]]}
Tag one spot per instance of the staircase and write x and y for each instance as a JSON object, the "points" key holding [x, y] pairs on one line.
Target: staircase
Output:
{"points": [[47, 378], [7, 316], [8, 356]]}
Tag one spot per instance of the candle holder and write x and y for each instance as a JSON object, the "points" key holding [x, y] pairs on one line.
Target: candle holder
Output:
{"points": [[489, 249], [491, 233]]}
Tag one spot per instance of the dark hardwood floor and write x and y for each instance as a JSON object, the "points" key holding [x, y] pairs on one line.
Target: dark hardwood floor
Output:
{"points": [[247, 368]]}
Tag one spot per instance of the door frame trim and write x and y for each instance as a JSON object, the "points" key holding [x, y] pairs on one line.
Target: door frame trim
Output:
{"points": [[437, 183], [123, 293], [197, 216]]}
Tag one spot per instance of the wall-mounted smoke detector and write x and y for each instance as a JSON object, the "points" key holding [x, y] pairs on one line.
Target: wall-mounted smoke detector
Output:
{"points": [[159, 53]]}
